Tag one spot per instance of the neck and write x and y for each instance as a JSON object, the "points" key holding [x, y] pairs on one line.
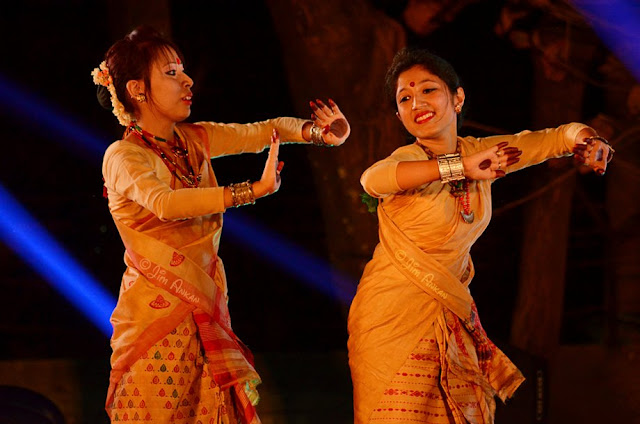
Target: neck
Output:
{"points": [[163, 130], [440, 146]]}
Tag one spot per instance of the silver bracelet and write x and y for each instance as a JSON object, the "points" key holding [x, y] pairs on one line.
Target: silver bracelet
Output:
{"points": [[450, 167], [316, 136]]}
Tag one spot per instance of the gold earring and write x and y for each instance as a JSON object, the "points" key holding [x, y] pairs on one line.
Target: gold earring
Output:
{"points": [[140, 98], [458, 108]]}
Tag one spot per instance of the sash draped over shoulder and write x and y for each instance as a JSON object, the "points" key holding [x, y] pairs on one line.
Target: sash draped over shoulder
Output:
{"points": [[419, 275]]}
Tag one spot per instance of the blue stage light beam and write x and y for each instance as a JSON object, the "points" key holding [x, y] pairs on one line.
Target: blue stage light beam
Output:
{"points": [[286, 255], [617, 24], [18, 102], [289, 257], [25, 236]]}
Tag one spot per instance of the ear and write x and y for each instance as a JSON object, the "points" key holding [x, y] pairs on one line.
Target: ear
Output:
{"points": [[135, 87], [398, 116], [458, 97]]}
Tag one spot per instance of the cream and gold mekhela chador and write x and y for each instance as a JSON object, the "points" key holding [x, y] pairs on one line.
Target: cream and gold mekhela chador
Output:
{"points": [[417, 351], [175, 358]]}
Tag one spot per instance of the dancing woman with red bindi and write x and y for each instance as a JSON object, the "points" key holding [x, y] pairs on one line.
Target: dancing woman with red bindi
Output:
{"points": [[417, 350]]}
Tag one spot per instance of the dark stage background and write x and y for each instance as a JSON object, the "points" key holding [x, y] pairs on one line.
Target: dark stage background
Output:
{"points": [[235, 57]]}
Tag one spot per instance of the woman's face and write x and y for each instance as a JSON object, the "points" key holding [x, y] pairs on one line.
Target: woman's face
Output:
{"points": [[170, 88], [426, 107]]}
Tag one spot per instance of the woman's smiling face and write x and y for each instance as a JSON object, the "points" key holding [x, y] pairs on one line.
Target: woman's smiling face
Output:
{"points": [[425, 104]]}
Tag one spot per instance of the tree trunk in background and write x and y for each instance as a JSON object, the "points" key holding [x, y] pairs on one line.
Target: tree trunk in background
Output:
{"points": [[341, 50], [623, 248], [539, 306]]}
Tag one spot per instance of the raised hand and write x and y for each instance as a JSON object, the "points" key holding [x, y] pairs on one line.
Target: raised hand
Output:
{"points": [[491, 163], [335, 127], [270, 181]]}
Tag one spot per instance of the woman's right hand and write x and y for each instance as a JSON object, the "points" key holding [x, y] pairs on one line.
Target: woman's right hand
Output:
{"points": [[270, 181], [490, 163]]}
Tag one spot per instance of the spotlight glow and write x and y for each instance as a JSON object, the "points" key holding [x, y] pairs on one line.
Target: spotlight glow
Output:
{"points": [[288, 257], [617, 23], [33, 109], [30, 241]]}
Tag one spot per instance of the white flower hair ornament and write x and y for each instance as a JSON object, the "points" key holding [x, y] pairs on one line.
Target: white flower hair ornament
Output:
{"points": [[102, 77]]}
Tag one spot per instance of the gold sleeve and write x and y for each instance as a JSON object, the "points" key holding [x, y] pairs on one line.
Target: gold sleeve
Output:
{"points": [[131, 174], [231, 139], [536, 146]]}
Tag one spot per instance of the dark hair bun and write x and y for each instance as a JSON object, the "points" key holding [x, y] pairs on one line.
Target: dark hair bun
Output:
{"points": [[104, 97], [144, 32]]}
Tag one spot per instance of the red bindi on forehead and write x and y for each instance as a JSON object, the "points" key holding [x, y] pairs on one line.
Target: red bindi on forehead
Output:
{"points": [[178, 61], [412, 84]]}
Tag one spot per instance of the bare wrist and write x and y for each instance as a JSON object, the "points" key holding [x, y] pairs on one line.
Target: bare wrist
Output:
{"points": [[465, 165], [259, 189]]}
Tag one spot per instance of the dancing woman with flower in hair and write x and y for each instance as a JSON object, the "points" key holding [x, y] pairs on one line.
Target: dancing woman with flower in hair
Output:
{"points": [[417, 350], [175, 356]]}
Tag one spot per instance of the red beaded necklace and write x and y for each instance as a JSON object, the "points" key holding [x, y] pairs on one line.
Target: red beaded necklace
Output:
{"points": [[459, 189], [184, 174]]}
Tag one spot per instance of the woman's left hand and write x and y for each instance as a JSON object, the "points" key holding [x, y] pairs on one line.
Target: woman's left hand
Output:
{"points": [[593, 151], [335, 127]]}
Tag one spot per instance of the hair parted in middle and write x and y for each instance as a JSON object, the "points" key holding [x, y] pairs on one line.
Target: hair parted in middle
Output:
{"points": [[408, 57]]}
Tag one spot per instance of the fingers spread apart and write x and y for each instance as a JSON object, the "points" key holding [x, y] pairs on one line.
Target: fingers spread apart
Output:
{"points": [[322, 111], [506, 156]]}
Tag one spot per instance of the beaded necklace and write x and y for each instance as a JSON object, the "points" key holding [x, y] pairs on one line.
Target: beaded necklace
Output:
{"points": [[459, 189], [186, 175]]}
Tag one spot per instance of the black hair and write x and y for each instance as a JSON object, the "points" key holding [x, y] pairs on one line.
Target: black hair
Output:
{"points": [[409, 57], [131, 59]]}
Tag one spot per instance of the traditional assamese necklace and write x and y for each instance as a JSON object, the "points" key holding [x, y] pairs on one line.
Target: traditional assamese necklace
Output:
{"points": [[459, 188], [179, 150]]}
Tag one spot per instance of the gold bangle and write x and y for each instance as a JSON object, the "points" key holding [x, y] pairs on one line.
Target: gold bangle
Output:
{"points": [[242, 194], [450, 167]]}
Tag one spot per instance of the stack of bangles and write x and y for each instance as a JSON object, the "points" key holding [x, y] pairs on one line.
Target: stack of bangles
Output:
{"points": [[450, 167], [316, 137], [242, 194]]}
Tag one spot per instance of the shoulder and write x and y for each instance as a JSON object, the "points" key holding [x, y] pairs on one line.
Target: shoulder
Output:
{"points": [[199, 129], [124, 153], [124, 148]]}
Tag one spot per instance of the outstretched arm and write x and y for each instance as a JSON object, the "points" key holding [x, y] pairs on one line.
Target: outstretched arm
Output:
{"points": [[405, 169], [565, 140], [230, 139]]}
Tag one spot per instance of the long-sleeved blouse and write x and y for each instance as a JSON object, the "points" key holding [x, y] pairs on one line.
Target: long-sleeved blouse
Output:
{"points": [[389, 313], [155, 213]]}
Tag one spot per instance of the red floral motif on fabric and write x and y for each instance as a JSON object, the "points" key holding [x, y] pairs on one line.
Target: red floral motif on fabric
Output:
{"points": [[177, 259], [160, 303]]}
